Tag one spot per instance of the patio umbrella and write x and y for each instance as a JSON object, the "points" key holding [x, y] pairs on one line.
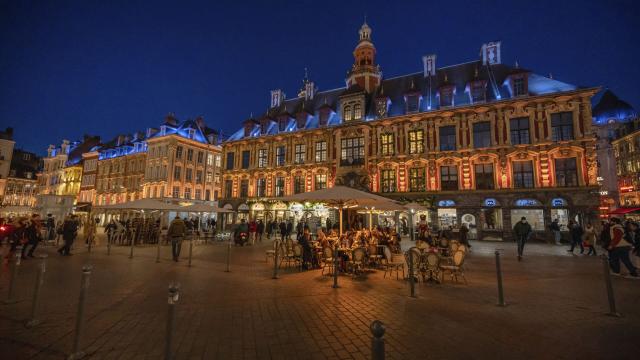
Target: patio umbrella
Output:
{"points": [[380, 206], [144, 205], [340, 197]]}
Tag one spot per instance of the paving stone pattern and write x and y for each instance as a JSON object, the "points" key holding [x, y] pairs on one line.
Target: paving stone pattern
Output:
{"points": [[557, 308]]}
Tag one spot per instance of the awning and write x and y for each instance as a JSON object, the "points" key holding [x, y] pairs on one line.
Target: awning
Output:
{"points": [[625, 210]]}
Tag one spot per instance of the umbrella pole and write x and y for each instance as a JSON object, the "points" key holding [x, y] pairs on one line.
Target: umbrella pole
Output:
{"points": [[340, 215], [370, 220]]}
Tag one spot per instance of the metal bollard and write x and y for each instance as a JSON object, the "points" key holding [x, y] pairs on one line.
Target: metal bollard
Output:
{"points": [[15, 266], [174, 295], [609, 287], [412, 284], [133, 241], [275, 260], [190, 250], [377, 342], [228, 255], [499, 275], [36, 292], [335, 267], [77, 353]]}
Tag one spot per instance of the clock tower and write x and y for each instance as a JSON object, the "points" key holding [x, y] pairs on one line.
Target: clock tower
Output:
{"points": [[364, 72]]}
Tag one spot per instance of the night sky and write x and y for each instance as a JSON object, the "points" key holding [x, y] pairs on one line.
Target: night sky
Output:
{"points": [[110, 67]]}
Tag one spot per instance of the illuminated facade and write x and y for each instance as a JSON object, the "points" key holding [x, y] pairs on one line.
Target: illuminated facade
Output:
{"points": [[482, 143], [627, 153], [6, 153], [120, 170], [22, 187]]}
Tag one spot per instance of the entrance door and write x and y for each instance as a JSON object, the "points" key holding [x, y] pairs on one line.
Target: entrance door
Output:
{"points": [[470, 221]]}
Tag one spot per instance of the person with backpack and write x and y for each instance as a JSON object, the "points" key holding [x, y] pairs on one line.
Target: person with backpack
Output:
{"points": [[575, 231]]}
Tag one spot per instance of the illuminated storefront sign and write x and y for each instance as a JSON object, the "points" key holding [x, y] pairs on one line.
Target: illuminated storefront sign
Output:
{"points": [[490, 202], [527, 202], [558, 202], [446, 203]]}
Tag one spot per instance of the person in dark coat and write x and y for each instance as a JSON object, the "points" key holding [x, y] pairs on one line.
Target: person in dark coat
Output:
{"points": [[32, 233], [522, 231], [576, 231], [289, 229], [69, 233], [283, 230], [464, 235], [305, 241], [260, 230]]}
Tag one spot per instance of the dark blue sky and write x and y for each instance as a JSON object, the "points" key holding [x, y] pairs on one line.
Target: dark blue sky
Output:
{"points": [[109, 67]]}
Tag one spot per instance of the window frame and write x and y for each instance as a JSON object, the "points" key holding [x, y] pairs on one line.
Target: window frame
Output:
{"points": [[417, 179], [416, 142], [352, 151], [281, 155], [562, 128], [387, 144], [569, 167], [485, 180], [299, 153], [521, 177], [450, 175], [388, 180], [321, 151], [518, 132], [481, 137], [444, 145]]}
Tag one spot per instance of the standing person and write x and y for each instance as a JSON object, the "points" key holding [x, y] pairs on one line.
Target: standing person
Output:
{"points": [[69, 233], [619, 249], [283, 230], [464, 235], [305, 241], [260, 230], [555, 229], [176, 232], [51, 227], [90, 231], [32, 234], [575, 231], [590, 238], [253, 229], [633, 237], [522, 230], [289, 228]]}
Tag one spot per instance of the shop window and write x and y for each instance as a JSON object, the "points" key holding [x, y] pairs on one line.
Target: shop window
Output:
{"points": [[519, 131], [562, 126], [482, 134], [523, 174], [535, 217], [447, 138], [417, 179], [387, 144], [491, 219], [566, 172], [388, 180], [448, 178], [484, 176], [563, 218], [447, 218]]}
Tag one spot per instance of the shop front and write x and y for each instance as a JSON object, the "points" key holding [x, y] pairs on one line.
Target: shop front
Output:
{"points": [[490, 225], [560, 210], [447, 214], [533, 211]]}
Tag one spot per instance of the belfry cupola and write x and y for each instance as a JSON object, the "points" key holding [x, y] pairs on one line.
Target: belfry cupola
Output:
{"points": [[365, 72]]}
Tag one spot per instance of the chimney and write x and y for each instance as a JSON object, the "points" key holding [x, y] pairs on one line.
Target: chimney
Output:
{"points": [[200, 122], [171, 119], [277, 97], [491, 53], [309, 90], [429, 62]]}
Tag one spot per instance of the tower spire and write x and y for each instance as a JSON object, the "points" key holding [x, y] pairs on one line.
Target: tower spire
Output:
{"points": [[364, 72]]}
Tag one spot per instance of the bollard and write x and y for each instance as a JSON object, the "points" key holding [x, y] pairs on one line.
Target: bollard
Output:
{"points": [[609, 287], [377, 342], [335, 267], [15, 266], [77, 353], [190, 250], [158, 250], [412, 284], [499, 275], [36, 292], [228, 255], [133, 241], [174, 295], [275, 260]]}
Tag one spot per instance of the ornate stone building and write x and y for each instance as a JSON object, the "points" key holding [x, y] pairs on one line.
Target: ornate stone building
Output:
{"points": [[6, 153], [480, 142], [626, 149], [22, 187]]}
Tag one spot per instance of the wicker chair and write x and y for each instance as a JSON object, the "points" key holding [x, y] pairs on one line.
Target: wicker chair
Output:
{"points": [[392, 263], [374, 257], [327, 259], [358, 259], [432, 266], [457, 268], [296, 256], [272, 253]]}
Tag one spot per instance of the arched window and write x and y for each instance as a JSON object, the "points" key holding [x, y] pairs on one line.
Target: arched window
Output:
{"points": [[346, 113], [357, 112]]}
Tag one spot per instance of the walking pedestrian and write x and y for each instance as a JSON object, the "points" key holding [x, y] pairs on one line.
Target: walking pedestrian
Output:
{"points": [[32, 235], [176, 232], [253, 229], [260, 230], [464, 235], [51, 227], [522, 230], [575, 231], [590, 238], [69, 233], [619, 250], [289, 228], [555, 230], [283, 230]]}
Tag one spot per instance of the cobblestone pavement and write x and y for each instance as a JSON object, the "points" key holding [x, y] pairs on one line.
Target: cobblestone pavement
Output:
{"points": [[557, 308]]}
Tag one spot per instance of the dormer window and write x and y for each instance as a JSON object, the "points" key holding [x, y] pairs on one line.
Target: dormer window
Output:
{"points": [[163, 130], [477, 91], [446, 96], [323, 116], [301, 120], [357, 112], [412, 103], [282, 123], [519, 86], [347, 115], [191, 133], [382, 106]]}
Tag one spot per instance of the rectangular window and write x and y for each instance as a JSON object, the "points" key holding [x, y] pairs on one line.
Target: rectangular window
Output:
{"points": [[518, 87], [482, 134], [230, 160], [562, 126], [387, 144], [261, 187], [519, 130], [200, 157], [199, 177], [300, 153], [388, 181], [198, 194], [228, 189], [279, 186], [321, 151], [484, 176], [246, 158], [207, 195], [177, 173], [417, 179], [244, 188], [352, 151], [176, 192], [298, 184], [566, 172], [446, 96], [477, 91], [413, 103], [357, 112], [523, 174], [416, 142], [219, 161], [189, 175], [179, 152], [280, 155], [262, 158], [448, 138], [448, 177], [187, 193], [321, 181], [189, 154]]}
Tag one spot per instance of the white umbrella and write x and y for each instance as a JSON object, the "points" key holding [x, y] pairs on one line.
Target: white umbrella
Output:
{"points": [[341, 197], [143, 204], [205, 208]]}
